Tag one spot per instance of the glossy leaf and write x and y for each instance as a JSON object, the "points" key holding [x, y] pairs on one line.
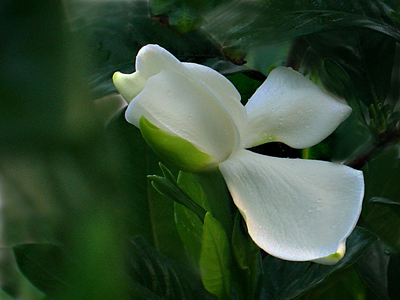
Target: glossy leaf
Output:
{"points": [[287, 280], [215, 259]]}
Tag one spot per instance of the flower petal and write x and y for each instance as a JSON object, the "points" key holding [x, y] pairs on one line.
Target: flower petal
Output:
{"points": [[333, 258], [178, 105], [150, 60], [129, 85], [225, 91], [295, 209], [291, 109]]}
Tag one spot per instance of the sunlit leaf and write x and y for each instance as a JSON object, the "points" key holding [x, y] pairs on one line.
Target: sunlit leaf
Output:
{"points": [[215, 259], [190, 227]]}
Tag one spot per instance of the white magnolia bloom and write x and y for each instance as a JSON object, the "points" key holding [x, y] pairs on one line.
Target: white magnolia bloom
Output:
{"points": [[295, 209]]}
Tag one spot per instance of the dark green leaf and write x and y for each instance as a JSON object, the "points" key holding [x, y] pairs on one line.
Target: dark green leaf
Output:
{"points": [[344, 285], [155, 277], [247, 256], [393, 276], [395, 206], [184, 15], [282, 20], [5, 296], [382, 179], [372, 268], [44, 265], [356, 65], [215, 259], [287, 280]]}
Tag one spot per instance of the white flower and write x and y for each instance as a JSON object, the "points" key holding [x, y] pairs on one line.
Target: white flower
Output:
{"points": [[295, 209]]}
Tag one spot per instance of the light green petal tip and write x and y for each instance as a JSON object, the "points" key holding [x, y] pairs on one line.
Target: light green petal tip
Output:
{"points": [[333, 258], [176, 150], [129, 85]]}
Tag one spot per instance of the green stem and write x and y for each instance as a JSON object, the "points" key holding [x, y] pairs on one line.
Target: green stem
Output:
{"points": [[218, 198]]}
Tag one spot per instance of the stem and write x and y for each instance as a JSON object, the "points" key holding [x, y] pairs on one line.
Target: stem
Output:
{"points": [[366, 153], [218, 198]]}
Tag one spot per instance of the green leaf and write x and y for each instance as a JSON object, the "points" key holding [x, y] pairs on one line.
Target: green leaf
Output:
{"points": [[393, 276], [287, 280], [395, 206], [382, 179], [172, 190], [356, 65], [343, 285], [190, 227], [373, 267], [282, 20], [247, 256], [5, 296], [189, 183], [155, 277], [184, 15], [215, 259], [44, 265]]}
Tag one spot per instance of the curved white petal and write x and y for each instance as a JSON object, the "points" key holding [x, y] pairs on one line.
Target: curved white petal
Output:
{"points": [[295, 209], [291, 109], [152, 59], [181, 106], [228, 94]]}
